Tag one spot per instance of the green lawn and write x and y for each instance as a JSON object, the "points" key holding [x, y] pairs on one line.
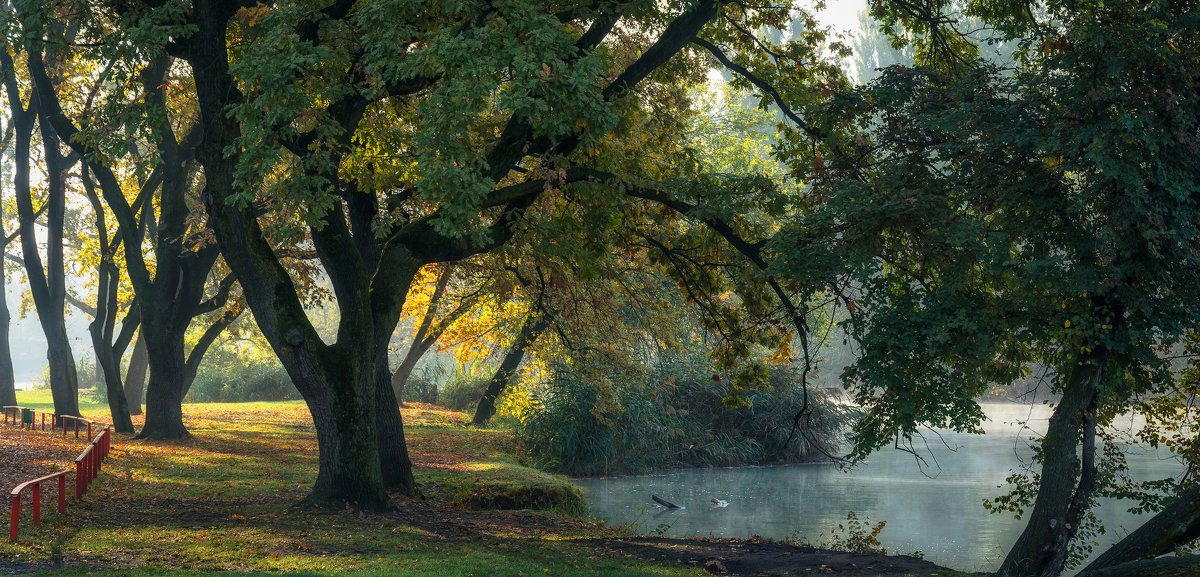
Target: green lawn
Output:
{"points": [[224, 500]]}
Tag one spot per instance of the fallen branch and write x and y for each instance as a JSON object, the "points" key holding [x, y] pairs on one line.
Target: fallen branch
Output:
{"points": [[664, 502]]}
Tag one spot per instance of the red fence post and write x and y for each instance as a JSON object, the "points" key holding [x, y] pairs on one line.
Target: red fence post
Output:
{"points": [[79, 479], [62, 493], [37, 504], [16, 517]]}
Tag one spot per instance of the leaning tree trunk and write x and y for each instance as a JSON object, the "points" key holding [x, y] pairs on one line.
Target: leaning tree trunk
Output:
{"points": [[1185, 566], [531, 329], [135, 377], [1175, 526], [1064, 492]]}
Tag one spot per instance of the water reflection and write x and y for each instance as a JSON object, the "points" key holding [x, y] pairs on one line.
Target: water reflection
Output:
{"points": [[936, 511]]}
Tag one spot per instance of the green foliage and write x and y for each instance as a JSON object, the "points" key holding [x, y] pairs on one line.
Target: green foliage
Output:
{"points": [[461, 393], [673, 415], [420, 389], [226, 377], [1008, 219]]}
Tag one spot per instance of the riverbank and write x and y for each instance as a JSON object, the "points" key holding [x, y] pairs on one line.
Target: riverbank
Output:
{"points": [[224, 500]]}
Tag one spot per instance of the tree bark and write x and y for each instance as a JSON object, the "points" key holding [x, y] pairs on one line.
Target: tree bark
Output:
{"points": [[1064, 493], [531, 329], [135, 377], [48, 286], [8, 383], [393, 449], [1176, 525], [103, 325], [164, 395], [1186, 566]]}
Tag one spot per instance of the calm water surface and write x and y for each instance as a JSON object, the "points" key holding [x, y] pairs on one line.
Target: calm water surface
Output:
{"points": [[932, 508]]}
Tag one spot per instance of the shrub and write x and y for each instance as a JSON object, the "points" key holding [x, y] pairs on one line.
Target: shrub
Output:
{"points": [[420, 389], [226, 378], [673, 416], [464, 392]]}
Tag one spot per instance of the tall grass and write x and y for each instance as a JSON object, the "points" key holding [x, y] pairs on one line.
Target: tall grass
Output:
{"points": [[673, 416]]}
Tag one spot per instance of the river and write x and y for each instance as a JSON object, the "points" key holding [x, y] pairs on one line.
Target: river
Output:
{"points": [[934, 508]]}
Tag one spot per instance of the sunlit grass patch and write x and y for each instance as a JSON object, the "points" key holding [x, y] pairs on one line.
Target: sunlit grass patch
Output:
{"points": [[222, 500]]}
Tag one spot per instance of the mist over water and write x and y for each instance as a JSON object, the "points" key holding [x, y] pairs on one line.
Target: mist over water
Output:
{"points": [[933, 507]]}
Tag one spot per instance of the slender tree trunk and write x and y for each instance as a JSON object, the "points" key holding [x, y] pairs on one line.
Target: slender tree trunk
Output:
{"points": [[8, 383], [135, 377], [49, 289], [421, 341], [118, 406], [533, 327]]}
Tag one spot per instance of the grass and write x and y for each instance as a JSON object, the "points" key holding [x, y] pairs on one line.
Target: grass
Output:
{"points": [[224, 500]]}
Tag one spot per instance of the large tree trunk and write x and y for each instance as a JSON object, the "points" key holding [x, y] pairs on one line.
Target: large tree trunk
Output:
{"points": [[164, 392], [339, 385], [135, 377], [393, 450], [531, 329], [1064, 493]]}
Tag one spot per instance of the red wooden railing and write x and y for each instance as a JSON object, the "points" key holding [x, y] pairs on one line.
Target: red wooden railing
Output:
{"points": [[87, 465], [13, 413], [36, 485]]}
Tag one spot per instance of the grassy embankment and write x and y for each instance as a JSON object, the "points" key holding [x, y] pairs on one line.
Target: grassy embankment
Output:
{"points": [[224, 500]]}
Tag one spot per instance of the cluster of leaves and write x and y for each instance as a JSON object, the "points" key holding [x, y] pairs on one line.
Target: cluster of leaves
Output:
{"points": [[857, 536]]}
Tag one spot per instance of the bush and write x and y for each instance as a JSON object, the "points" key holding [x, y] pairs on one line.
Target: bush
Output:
{"points": [[674, 416], [464, 392], [420, 389], [226, 378]]}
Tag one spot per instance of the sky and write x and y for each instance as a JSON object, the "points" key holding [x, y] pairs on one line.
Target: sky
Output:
{"points": [[842, 14]]}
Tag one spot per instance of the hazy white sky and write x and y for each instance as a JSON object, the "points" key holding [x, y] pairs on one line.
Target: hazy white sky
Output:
{"points": [[842, 14]]}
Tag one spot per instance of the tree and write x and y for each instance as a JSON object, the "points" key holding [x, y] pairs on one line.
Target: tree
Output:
{"points": [[8, 390], [110, 347], [46, 283], [171, 292], [982, 220], [431, 325], [517, 91]]}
